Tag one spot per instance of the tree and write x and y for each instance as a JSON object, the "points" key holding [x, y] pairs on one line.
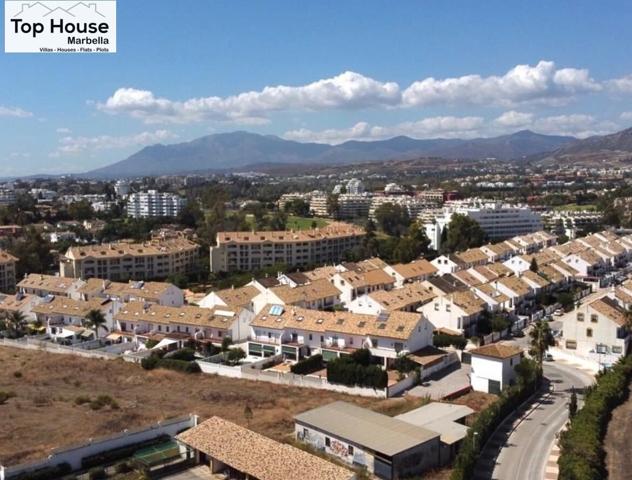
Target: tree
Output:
{"points": [[235, 355], [15, 322], [392, 219], [297, 207], [226, 343], [463, 233], [248, 414], [541, 339], [333, 207], [572, 405], [95, 320], [534, 265], [80, 210]]}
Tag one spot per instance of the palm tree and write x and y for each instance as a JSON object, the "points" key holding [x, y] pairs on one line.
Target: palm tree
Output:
{"points": [[95, 320], [15, 322], [541, 339]]}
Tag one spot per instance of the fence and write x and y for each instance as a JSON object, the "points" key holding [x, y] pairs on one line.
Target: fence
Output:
{"points": [[47, 346], [76, 453]]}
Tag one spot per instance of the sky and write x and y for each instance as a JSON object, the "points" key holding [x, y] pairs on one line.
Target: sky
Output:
{"points": [[321, 71]]}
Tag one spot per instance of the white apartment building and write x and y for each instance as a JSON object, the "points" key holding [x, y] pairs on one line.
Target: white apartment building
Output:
{"points": [[154, 204], [355, 186], [499, 220], [7, 196], [122, 188], [571, 222]]}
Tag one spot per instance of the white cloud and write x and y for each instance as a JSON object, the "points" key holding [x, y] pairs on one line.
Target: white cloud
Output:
{"points": [[543, 83], [622, 85], [14, 112], [577, 125], [626, 116], [347, 90], [64, 131], [77, 145], [514, 119], [19, 155], [432, 127]]}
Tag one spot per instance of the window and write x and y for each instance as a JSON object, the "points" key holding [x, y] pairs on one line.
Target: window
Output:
{"points": [[436, 305], [350, 450], [571, 344], [589, 332], [310, 336], [594, 318], [447, 307], [327, 442], [580, 317], [616, 349]]}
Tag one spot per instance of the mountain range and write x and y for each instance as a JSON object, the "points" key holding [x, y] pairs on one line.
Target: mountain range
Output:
{"points": [[238, 150]]}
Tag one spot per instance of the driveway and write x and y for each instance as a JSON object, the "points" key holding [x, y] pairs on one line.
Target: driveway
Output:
{"points": [[443, 384]]}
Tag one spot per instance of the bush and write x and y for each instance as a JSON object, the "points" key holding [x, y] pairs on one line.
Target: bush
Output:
{"points": [[582, 455], [403, 364], [308, 365], [488, 420], [154, 361], [4, 396], [442, 340], [97, 473], [234, 355], [149, 363], [17, 374], [80, 400], [346, 371], [186, 354]]}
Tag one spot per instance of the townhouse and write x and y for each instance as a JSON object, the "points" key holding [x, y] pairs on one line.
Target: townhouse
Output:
{"points": [[516, 289], [353, 284], [65, 318], [228, 298], [161, 293], [20, 302], [155, 259], [297, 332], [448, 264], [588, 263], [407, 298], [7, 272], [472, 257], [597, 331], [416, 271], [247, 251], [458, 311], [142, 321], [494, 367], [495, 300], [317, 295], [44, 285]]}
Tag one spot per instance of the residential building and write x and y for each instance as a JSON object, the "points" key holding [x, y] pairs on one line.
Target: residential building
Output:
{"points": [[7, 272], [154, 259], [387, 447], [571, 223], [493, 367], [297, 332], [354, 205], [7, 196], [408, 298], [597, 331], [45, 285], [152, 204], [236, 452], [458, 311], [355, 186], [231, 298], [152, 321], [498, 220], [19, 302], [122, 188], [247, 251], [162, 293], [317, 295], [353, 283], [415, 271]]}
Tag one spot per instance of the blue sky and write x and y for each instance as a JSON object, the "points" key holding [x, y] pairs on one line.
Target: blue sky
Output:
{"points": [[319, 71]]}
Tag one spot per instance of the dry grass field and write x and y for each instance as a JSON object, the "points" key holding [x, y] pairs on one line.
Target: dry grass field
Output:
{"points": [[44, 413]]}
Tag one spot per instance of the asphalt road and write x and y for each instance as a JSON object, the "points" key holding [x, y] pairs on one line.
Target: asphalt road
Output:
{"points": [[519, 450]]}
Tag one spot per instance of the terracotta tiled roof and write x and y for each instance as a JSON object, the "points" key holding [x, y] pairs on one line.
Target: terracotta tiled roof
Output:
{"points": [[468, 301], [467, 278], [6, 257], [185, 315], [491, 291], [535, 278], [258, 456], [610, 309], [515, 285], [497, 350], [366, 279], [316, 290], [146, 290], [472, 256], [400, 298], [333, 230], [396, 324], [49, 283], [68, 306], [321, 272], [151, 248], [415, 269], [238, 297]]}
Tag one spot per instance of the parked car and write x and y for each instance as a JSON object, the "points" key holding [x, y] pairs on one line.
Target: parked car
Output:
{"points": [[559, 312], [548, 357]]}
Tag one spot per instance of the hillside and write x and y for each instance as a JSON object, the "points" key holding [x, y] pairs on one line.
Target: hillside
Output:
{"points": [[228, 151]]}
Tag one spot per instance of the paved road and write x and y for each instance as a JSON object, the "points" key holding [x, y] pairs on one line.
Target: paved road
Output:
{"points": [[520, 449]]}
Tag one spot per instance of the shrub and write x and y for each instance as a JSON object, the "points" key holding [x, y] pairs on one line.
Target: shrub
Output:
{"points": [[4, 396], [234, 355], [81, 399], [403, 364], [97, 473], [186, 354], [149, 344], [149, 363], [346, 371], [17, 374], [442, 340], [582, 455], [308, 365]]}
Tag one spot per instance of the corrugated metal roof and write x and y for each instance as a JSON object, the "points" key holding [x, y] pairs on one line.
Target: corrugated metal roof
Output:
{"points": [[366, 428]]}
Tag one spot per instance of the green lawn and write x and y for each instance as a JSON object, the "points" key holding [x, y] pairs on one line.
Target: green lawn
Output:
{"points": [[304, 223], [575, 207]]}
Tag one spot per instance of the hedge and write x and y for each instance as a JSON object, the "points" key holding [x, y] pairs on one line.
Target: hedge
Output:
{"points": [[442, 340], [489, 419], [582, 455], [308, 365], [154, 361], [346, 371]]}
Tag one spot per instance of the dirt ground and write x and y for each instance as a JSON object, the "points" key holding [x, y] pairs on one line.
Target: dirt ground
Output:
{"points": [[44, 414], [617, 442]]}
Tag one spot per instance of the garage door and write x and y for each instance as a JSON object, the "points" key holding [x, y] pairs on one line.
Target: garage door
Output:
{"points": [[493, 386]]}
